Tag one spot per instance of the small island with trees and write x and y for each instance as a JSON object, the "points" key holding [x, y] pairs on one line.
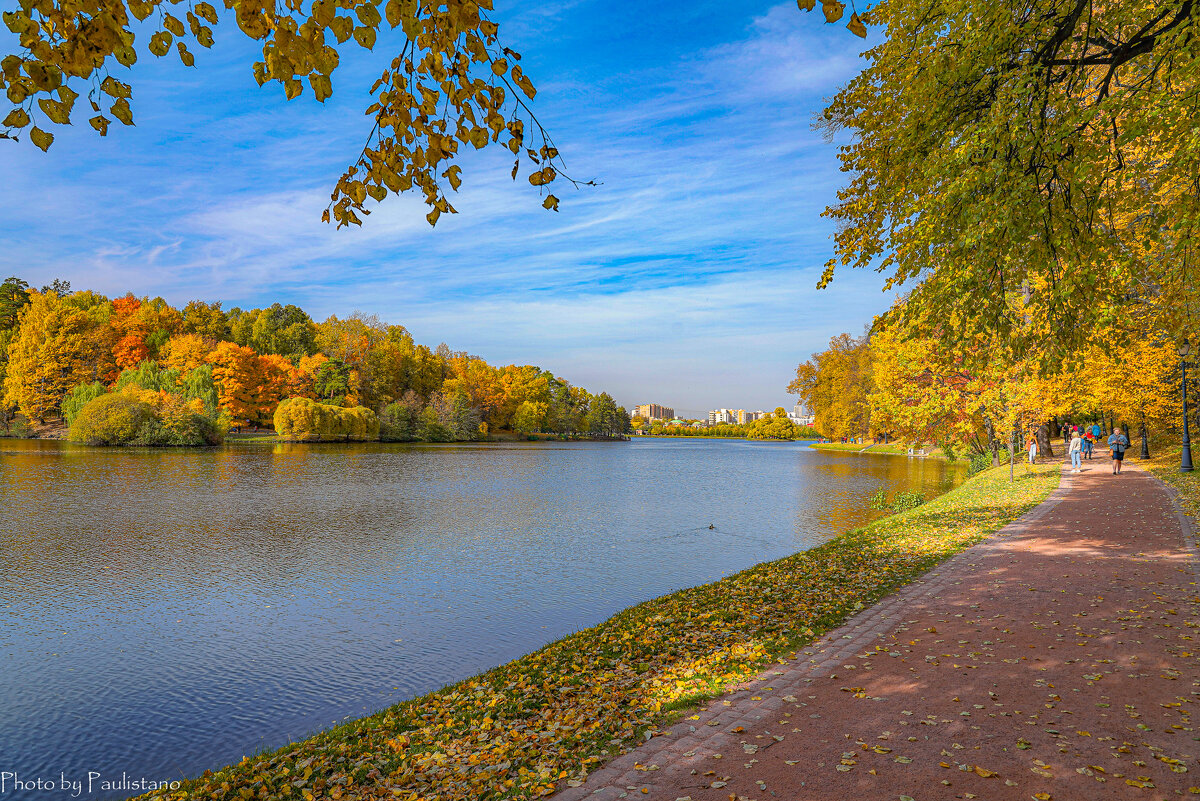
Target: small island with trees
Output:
{"points": [[137, 371]]}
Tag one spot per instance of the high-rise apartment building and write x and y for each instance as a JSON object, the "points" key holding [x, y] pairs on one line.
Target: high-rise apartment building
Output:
{"points": [[653, 411], [719, 416]]}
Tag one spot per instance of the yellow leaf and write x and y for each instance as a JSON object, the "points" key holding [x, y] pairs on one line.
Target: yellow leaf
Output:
{"points": [[856, 26], [160, 43], [120, 110], [186, 57], [806, 5], [56, 111], [100, 123], [17, 118], [111, 86], [365, 37], [321, 85], [41, 138], [833, 10]]}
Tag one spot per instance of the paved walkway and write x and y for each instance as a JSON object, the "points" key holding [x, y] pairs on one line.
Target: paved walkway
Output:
{"points": [[1058, 660]]}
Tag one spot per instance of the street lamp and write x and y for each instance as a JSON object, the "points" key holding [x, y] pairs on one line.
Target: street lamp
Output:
{"points": [[1185, 465]]}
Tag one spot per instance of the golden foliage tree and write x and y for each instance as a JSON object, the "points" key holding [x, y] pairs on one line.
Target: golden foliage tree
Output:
{"points": [[237, 373], [835, 384], [46, 358], [184, 352], [1048, 149]]}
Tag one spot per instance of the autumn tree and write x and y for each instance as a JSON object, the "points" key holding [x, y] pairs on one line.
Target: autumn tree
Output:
{"points": [[236, 371], [835, 384], [1139, 382], [185, 352], [1045, 150], [529, 417], [206, 320], [46, 357]]}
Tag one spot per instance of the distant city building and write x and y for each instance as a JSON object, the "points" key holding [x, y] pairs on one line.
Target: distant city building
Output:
{"points": [[652, 411], [722, 416], [801, 415]]}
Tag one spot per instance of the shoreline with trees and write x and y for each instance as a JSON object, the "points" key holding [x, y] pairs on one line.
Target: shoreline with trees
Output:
{"points": [[137, 371], [775, 426]]}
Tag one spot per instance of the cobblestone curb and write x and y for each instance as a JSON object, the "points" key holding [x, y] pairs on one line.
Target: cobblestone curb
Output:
{"points": [[632, 773]]}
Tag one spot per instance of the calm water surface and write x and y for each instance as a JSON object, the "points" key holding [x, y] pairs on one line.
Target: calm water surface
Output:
{"points": [[164, 611]]}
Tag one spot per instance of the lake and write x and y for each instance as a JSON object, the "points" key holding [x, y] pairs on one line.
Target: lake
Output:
{"points": [[167, 611]]}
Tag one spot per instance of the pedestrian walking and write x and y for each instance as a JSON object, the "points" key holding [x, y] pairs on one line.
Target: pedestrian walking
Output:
{"points": [[1089, 443], [1033, 448], [1076, 451], [1117, 442]]}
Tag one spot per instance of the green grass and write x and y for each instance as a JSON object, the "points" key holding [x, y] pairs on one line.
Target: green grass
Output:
{"points": [[891, 448], [837, 446], [524, 728], [1165, 465]]}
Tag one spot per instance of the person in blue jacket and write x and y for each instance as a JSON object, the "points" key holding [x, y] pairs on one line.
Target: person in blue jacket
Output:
{"points": [[1117, 442]]}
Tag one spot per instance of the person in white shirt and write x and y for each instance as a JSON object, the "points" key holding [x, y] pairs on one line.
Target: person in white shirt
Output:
{"points": [[1076, 451]]}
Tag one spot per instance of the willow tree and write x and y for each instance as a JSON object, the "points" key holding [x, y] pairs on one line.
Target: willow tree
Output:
{"points": [[1039, 147]]}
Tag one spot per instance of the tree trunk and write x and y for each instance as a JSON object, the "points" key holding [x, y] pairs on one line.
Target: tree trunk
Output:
{"points": [[1012, 453], [1044, 440], [993, 443]]}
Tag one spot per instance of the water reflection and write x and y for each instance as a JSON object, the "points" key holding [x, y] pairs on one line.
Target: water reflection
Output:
{"points": [[167, 611]]}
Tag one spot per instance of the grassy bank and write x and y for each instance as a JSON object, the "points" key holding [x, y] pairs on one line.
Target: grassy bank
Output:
{"points": [[547, 719], [893, 448], [838, 446], [1165, 465]]}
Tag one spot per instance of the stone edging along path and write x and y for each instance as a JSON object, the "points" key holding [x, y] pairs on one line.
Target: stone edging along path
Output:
{"points": [[659, 769]]}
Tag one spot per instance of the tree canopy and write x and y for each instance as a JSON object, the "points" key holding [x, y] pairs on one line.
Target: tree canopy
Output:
{"points": [[454, 83], [1044, 149]]}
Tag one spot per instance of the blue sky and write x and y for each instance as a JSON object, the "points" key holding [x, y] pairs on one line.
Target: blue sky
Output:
{"points": [[687, 278]]}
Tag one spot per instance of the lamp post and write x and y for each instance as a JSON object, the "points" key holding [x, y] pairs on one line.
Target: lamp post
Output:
{"points": [[1185, 465]]}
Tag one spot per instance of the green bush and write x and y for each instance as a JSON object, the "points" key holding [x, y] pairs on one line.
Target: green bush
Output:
{"points": [[902, 502], [398, 423], [111, 419], [907, 500], [78, 398], [120, 418], [982, 461], [305, 420]]}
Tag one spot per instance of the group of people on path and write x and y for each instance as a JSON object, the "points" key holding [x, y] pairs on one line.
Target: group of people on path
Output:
{"points": [[1081, 442]]}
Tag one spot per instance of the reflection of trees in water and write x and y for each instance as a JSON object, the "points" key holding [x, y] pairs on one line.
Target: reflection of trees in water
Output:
{"points": [[855, 477]]}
